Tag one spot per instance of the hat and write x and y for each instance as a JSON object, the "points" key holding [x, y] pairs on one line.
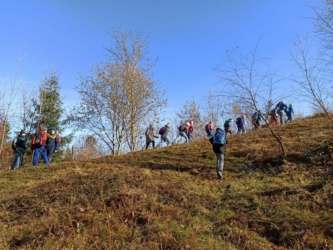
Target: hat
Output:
{"points": [[23, 131], [230, 119], [169, 124], [290, 104], [44, 128], [282, 101], [54, 129], [187, 124]]}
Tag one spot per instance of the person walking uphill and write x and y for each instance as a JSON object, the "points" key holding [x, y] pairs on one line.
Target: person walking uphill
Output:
{"points": [[52, 143], [281, 107], [150, 136], [227, 126], [240, 122], [190, 130], [19, 147], [183, 131], [209, 129], [38, 143], [164, 133], [219, 142], [290, 113]]}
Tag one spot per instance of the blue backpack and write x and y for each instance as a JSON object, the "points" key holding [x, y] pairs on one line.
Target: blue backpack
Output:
{"points": [[219, 137]]}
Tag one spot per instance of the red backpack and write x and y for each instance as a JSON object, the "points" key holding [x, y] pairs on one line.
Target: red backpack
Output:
{"points": [[39, 138]]}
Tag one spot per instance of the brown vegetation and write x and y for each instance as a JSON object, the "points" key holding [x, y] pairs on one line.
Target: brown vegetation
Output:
{"points": [[169, 198]]}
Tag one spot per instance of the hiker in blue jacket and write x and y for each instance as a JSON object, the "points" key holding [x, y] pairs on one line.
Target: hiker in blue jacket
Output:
{"points": [[219, 142], [290, 113], [240, 122], [52, 143], [256, 118], [281, 107]]}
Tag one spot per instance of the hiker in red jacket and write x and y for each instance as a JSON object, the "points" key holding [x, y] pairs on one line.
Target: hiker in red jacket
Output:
{"points": [[209, 129], [190, 130]]}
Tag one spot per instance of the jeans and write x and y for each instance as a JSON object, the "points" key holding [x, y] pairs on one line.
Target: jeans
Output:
{"points": [[189, 136], [241, 129], [181, 134], [280, 113], [219, 165], [209, 133], [17, 161], [40, 151], [147, 144], [50, 155], [165, 139]]}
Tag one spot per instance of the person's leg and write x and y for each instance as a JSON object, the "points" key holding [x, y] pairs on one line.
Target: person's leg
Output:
{"points": [[147, 145], [219, 165], [183, 134], [166, 139], [50, 155], [153, 142], [44, 155], [35, 157], [14, 164]]}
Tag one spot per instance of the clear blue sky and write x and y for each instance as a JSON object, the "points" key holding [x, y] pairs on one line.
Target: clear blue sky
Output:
{"points": [[188, 37]]}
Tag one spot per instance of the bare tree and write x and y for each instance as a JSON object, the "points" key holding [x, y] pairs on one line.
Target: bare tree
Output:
{"points": [[120, 95], [248, 80], [7, 98], [314, 85]]}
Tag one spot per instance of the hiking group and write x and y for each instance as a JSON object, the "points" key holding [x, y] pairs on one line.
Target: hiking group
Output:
{"points": [[43, 143]]}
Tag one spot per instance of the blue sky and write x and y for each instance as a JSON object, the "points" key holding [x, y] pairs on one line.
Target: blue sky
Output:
{"points": [[188, 38]]}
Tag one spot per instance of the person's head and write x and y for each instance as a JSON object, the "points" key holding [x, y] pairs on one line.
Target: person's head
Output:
{"points": [[243, 116], [290, 104], [53, 130], [188, 124], [282, 101], [151, 126], [169, 125], [230, 119], [22, 132]]}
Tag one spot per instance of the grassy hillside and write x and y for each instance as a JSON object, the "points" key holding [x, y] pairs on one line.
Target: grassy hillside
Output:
{"points": [[170, 198]]}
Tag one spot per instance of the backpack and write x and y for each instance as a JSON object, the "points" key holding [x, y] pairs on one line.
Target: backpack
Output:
{"points": [[227, 123], [14, 143], [59, 139], [39, 138], [206, 127], [161, 132], [219, 137], [238, 120], [182, 127]]}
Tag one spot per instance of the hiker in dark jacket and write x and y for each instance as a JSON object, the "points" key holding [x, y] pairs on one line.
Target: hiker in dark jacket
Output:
{"points": [[240, 122], [52, 143], [19, 147], [182, 132], [150, 136], [219, 148], [256, 118], [164, 134]]}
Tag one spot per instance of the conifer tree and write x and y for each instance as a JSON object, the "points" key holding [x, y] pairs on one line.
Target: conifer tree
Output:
{"points": [[47, 110]]}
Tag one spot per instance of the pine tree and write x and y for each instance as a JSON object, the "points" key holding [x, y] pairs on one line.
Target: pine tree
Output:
{"points": [[48, 109]]}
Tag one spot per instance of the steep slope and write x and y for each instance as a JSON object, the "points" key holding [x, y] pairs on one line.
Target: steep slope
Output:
{"points": [[170, 198]]}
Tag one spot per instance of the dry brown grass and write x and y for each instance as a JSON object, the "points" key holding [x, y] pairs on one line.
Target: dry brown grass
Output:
{"points": [[169, 198]]}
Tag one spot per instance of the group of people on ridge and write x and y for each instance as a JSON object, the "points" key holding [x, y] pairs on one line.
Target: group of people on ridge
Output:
{"points": [[185, 130], [42, 143]]}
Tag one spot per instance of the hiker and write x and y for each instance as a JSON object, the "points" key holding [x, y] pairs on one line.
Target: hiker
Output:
{"points": [[38, 143], [164, 133], [281, 107], [290, 113], [227, 126], [219, 142], [256, 118], [150, 136], [274, 118], [52, 143], [240, 121], [183, 131], [190, 131], [209, 129], [19, 147]]}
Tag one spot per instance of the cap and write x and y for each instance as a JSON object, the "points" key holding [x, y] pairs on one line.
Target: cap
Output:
{"points": [[54, 129]]}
